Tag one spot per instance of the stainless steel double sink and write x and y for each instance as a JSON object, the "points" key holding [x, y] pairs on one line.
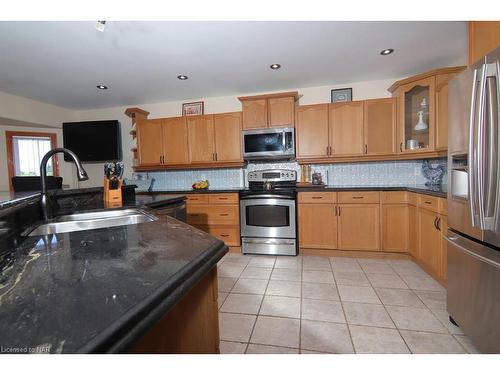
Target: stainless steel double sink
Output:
{"points": [[90, 220]]}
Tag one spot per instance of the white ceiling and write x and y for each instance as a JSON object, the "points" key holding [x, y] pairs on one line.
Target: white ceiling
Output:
{"points": [[62, 62]]}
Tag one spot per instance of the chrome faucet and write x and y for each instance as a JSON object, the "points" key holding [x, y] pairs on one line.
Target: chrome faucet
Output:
{"points": [[45, 202]]}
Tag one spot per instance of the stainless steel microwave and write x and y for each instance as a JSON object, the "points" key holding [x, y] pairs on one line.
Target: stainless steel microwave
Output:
{"points": [[269, 144]]}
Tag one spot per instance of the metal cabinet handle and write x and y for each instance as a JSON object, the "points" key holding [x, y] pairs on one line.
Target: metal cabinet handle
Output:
{"points": [[194, 214], [435, 223], [316, 197], [366, 149], [216, 157], [401, 147], [327, 150], [339, 210], [438, 224], [222, 199], [357, 197], [335, 210], [223, 214], [427, 202], [224, 235]]}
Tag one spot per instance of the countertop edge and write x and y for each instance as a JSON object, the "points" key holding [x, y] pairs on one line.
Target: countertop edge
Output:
{"points": [[373, 188], [124, 332]]}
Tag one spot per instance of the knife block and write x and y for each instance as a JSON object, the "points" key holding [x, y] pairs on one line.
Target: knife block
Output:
{"points": [[112, 195]]}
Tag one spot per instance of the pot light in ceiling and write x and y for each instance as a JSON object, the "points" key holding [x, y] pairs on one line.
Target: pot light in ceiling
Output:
{"points": [[100, 25], [102, 87], [275, 66], [182, 77], [386, 51]]}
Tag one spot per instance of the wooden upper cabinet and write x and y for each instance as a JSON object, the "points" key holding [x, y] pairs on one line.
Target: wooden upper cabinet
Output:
{"points": [[484, 37], [346, 128], [312, 131], [254, 114], [227, 135], [201, 138], [149, 142], [442, 111], [175, 141], [270, 110], [379, 117], [281, 111]]}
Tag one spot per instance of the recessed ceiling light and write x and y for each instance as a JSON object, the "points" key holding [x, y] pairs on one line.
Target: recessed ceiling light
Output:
{"points": [[386, 52], [100, 25], [182, 77], [102, 87], [275, 66]]}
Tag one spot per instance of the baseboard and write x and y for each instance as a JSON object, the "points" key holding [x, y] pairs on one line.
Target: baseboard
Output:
{"points": [[235, 249], [355, 253]]}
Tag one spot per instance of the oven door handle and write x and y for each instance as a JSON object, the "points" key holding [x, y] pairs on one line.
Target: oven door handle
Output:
{"points": [[266, 196]]}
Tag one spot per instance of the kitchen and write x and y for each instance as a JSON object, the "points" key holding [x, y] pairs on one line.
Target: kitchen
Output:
{"points": [[272, 216]]}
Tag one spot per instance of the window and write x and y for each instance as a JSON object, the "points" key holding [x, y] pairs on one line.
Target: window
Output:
{"points": [[25, 151]]}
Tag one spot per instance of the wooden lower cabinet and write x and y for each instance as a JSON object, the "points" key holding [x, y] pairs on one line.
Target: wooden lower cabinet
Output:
{"points": [[395, 227], [359, 227], [190, 327], [443, 227], [413, 230], [217, 214], [429, 240], [317, 226]]}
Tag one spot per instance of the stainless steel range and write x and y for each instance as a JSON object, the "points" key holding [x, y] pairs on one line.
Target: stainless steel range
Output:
{"points": [[268, 214]]}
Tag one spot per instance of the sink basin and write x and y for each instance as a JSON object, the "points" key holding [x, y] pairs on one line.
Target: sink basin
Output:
{"points": [[91, 220]]}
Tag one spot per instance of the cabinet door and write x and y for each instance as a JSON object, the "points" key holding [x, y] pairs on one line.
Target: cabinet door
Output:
{"points": [[442, 111], [254, 114], [149, 142], [227, 135], [346, 129], [312, 131], [395, 227], [413, 231], [359, 227], [416, 123], [379, 117], [443, 228], [201, 139], [429, 240], [175, 141], [281, 111], [317, 226], [484, 37]]}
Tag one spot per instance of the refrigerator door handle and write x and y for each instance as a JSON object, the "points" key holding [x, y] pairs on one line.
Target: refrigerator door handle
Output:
{"points": [[471, 155], [492, 144], [480, 148]]}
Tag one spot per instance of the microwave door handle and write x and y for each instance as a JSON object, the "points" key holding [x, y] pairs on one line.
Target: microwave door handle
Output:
{"points": [[471, 151], [283, 140]]}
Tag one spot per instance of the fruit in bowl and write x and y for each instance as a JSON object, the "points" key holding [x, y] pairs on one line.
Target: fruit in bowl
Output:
{"points": [[200, 185]]}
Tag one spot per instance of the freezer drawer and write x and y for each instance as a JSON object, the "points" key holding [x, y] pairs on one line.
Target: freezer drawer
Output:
{"points": [[473, 291]]}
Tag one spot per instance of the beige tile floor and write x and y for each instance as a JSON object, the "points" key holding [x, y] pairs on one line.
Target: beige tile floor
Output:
{"points": [[310, 304]]}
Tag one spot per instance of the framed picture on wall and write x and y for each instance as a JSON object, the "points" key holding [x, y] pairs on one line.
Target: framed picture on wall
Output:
{"points": [[342, 95], [192, 109]]}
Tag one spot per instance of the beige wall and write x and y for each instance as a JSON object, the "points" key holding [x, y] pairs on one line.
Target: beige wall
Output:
{"points": [[308, 95]]}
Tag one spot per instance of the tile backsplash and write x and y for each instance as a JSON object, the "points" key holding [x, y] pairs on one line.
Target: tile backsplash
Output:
{"points": [[396, 173]]}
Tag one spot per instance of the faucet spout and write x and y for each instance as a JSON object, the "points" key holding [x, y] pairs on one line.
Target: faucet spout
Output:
{"points": [[45, 201]]}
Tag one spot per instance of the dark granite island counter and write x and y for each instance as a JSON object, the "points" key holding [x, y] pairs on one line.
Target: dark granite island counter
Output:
{"points": [[147, 287]]}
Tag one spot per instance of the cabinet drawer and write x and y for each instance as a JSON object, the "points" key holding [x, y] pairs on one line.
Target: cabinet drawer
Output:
{"points": [[413, 199], [318, 197], [229, 234], [223, 198], [216, 214], [197, 198], [443, 206], [429, 202], [359, 197], [394, 196]]}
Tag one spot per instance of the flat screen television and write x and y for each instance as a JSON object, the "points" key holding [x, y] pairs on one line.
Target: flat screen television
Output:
{"points": [[93, 141]]}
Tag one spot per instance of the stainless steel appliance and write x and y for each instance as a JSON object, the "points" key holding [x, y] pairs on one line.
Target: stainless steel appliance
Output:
{"points": [[268, 214], [474, 202], [274, 143]]}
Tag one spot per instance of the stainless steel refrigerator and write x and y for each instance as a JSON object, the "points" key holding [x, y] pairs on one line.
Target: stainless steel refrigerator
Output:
{"points": [[473, 299]]}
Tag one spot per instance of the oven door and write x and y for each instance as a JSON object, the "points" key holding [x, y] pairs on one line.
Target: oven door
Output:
{"points": [[267, 217]]}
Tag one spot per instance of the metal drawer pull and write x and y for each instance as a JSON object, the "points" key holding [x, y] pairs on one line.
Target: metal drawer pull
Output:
{"points": [[357, 197], [317, 197], [224, 235], [427, 202], [223, 214], [222, 199], [194, 214]]}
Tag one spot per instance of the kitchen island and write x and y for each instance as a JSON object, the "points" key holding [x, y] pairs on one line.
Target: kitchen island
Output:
{"points": [[149, 287]]}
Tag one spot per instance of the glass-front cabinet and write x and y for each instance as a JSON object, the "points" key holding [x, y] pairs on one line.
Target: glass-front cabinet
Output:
{"points": [[416, 107]]}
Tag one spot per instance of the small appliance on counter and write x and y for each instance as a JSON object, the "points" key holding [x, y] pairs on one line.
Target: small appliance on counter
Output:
{"points": [[268, 214], [113, 174]]}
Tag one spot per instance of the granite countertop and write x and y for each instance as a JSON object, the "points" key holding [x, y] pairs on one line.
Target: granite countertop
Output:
{"points": [[439, 191], [192, 191], [99, 290]]}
